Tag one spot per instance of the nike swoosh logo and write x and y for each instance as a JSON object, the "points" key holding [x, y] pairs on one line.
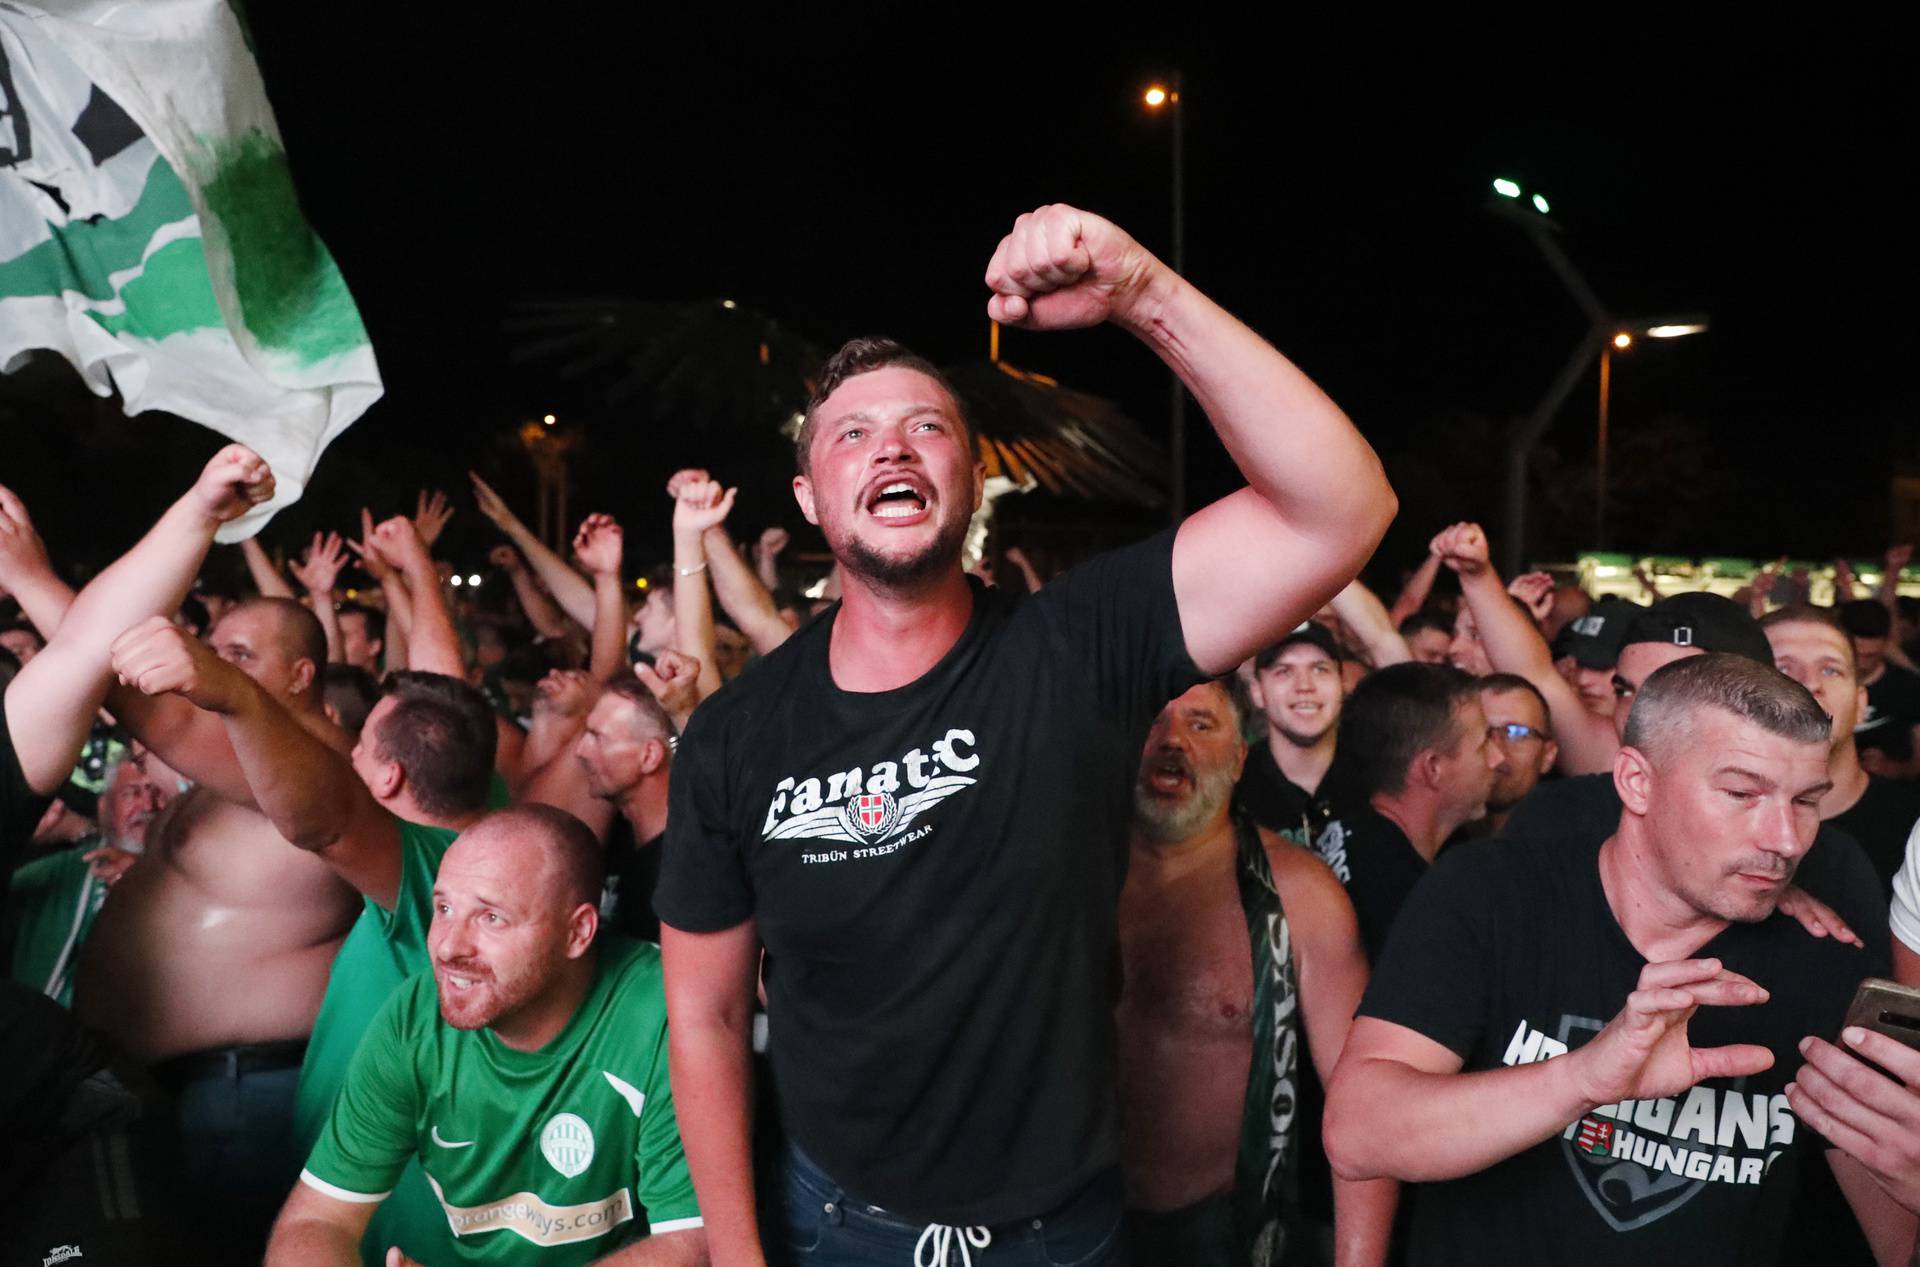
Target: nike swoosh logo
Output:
{"points": [[634, 1096], [448, 1143]]}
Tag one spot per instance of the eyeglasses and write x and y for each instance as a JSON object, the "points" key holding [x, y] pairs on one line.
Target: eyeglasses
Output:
{"points": [[1515, 731]]}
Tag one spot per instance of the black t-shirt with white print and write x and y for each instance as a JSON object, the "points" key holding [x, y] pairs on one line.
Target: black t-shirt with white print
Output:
{"points": [[935, 873], [1893, 710], [1376, 862], [1509, 953]]}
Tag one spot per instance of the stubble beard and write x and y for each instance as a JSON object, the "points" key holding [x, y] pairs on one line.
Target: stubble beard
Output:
{"points": [[890, 572]]}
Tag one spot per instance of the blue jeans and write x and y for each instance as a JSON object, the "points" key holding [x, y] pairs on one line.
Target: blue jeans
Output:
{"points": [[815, 1223]]}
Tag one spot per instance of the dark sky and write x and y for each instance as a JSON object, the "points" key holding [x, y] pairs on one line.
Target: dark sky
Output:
{"points": [[1335, 201]]}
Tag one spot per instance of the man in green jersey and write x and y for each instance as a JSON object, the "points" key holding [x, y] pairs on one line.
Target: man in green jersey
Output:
{"points": [[527, 1073]]}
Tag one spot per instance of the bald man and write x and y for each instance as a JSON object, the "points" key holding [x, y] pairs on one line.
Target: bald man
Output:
{"points": [[527, 1072]]}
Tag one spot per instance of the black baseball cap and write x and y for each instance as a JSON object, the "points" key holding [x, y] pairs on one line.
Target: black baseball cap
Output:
{"points": [[1704, 621], [1311, 632], [1594, 639]]}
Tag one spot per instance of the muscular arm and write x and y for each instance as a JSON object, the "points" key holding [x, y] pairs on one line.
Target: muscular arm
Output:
{"points": [[316, 1230], [1333, 976], [1366, 618], [711, 979], [742, 594]]}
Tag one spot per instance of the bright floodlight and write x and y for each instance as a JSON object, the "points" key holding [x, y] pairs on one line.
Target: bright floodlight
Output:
{"points": [[474, 579], [1156, 96], [1676, 331], [1506, 188], [548, 420], [457, 579], [1623, 340], [728, 303], [1540, 204]]}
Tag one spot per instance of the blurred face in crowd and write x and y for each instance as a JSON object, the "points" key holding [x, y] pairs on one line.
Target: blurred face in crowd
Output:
{"points": [[251, 640], [1465, 774], [654, 621], [1300, 694], [1517, 728], [730, 651], [360, 651], [1596, 689], [142, 786], [500, 931], [892, 480], [1430, 646], [1465, 652], [614, 750], [1820, 658], [1869, 654], [1636, 663], [1190, 765]]}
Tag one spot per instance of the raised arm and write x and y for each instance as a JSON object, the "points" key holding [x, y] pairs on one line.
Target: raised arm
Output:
{"points": [[266, 577], [711, 979], [1318, 501], [50, 705], [1587, 742], [699, 504], [766, 557], [318, 572], [744, 593], [600, 546], [1365, 616], [569, 589], [1413, 595], [433, 645], [1395, 1084], [308, 789], [543, 614]]}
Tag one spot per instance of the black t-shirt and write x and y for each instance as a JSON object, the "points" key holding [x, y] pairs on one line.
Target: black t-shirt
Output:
{"points": [[1510, 953], [632, 872], [1376, 862], [1585, 809], [1893, 710], [1273, 800], [935, 872], [1881, 820]]}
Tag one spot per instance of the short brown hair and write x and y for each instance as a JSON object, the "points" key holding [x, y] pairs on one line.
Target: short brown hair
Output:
{"points": [[863, 356], [1668, 701], [441, 732], [296, 630], [1809, 614]]}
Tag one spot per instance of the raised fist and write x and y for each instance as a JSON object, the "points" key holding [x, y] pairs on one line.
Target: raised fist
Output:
{"points": [[156, 657], [701, 504], [564, 693], [1061, 268], [1535, 589], [398, 542], [1463, 547], [674, 679], [22, 553], [506, 558], [772, 542], [235, 481], [681, 478], [599, 545]]}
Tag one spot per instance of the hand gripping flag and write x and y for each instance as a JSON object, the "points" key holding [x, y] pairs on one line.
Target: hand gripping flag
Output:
{"points": [[150, 234]]}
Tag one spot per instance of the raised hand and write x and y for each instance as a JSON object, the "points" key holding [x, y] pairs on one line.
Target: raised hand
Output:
{"points": [[507, 559], [1061, 268], [320, 569], [1462, 547], [1898, 557], [22, 553], [1644, 1053], [398, 544], [600, 545], [430, 515], [564, 693], [772, 542], [233, 482], [1535, 589], [681, 478], [108, 863], [674, 679], [363, 549], [156, 657], [491, 505], [700, 504]]}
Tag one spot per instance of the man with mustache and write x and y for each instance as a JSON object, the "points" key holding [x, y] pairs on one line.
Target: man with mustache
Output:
{"points": [[526, 1072], [1594, 1052], [917, 805]]}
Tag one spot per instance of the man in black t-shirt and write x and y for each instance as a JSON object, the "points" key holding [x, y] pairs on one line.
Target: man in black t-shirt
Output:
{"points": [[626, 751], [1888, 732], [1812, 647], [918, 804], [1415, 763], [1663, 1134], [1296, 687]]}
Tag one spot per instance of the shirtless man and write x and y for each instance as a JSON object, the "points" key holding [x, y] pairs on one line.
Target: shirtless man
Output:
{"points": [[1209, 1055], [210, 962]]}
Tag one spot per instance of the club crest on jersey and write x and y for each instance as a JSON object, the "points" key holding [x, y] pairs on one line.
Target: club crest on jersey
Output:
{"points": [[866, 805], [567, 1143]]}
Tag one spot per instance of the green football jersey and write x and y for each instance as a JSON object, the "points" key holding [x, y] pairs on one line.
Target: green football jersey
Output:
{"points": [[573, 1148], [53, 902]]}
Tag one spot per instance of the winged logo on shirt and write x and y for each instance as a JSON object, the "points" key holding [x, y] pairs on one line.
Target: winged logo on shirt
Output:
{"points": [[870, 817]]}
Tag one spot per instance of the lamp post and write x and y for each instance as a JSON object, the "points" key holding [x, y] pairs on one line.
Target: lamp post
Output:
{"points": [[1661, 328], [1167, 97]]}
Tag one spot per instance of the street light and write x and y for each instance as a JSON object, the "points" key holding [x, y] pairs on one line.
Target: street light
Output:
{"points": [[1668, 328], [1167, 97], [1623, 341]]}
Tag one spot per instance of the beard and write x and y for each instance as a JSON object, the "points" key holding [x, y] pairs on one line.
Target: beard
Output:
{"points": [[1167, 819], [482, 1003], [892, 572]]}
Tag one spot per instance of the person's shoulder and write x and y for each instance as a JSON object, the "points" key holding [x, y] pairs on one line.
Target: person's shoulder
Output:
{"points": [[763, 684], [43, 873], [1899, 794]]}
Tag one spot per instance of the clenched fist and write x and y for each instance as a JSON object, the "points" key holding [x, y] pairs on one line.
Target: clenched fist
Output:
{"points": [[1463, 548], [157, 657], [1061, 268], [600, 545], [235, 481]]}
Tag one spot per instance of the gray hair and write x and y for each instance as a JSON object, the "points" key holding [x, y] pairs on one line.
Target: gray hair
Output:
{"points": [[1667, 703]]}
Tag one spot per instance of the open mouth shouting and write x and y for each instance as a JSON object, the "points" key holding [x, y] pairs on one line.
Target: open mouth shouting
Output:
{"points": [[898, 500], [1168, 774]]}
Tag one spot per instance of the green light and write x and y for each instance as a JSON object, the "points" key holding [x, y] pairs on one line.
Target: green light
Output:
{"points": [[1540, 204], [1506, 188]]}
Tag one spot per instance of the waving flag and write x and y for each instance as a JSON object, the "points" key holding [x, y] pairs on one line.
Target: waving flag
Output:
{"points": [[150, 234]]}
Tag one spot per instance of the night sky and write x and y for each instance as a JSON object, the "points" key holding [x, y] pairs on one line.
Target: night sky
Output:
{"points": [[1335, 201]]}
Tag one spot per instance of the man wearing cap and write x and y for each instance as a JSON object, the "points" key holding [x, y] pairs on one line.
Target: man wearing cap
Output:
{"points": [[1888, 732], [1297, 688], [1592, 643]]}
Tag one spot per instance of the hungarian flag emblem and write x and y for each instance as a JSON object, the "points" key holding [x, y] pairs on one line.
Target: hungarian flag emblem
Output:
{"points": [[873, 814], [1595, 1136]]}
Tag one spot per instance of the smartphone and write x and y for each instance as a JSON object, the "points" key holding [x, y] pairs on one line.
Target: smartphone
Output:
{"points": [[1887, 1007]]}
